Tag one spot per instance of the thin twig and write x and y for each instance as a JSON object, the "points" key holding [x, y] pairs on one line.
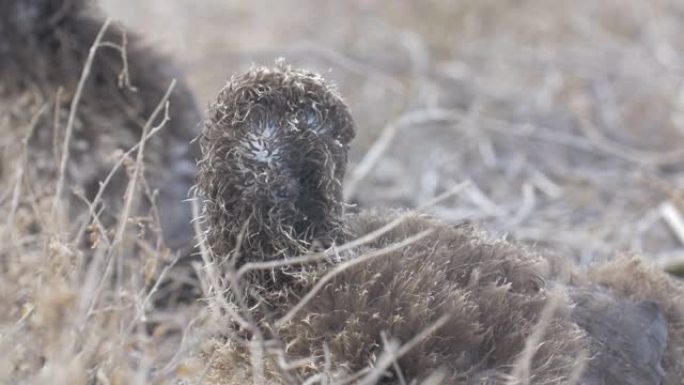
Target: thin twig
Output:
{"points": [[390, 349], [72, 114], [19, 173], [520, 375], [116, 243], [374, 154], [105, 183], [360, 241], [218, 301], [137, 170], [674, 219], [387, 358], [346, 265]]}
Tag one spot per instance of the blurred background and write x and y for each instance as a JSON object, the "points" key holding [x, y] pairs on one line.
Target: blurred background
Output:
{"points": [[566, 116]]}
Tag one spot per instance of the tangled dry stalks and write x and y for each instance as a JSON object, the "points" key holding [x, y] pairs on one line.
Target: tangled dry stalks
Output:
{"points": [[566, 119]]}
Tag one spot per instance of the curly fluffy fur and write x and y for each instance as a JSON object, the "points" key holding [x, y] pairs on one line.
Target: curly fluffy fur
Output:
{"points": [[497, 295], [43, 49], [493, 291], [274, 154]]}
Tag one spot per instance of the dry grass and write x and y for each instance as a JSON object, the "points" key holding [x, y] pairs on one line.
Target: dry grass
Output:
{"points": [[567, 117]]}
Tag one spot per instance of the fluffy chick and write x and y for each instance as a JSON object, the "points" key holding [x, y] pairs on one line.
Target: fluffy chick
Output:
{"points": [[274, 155]]}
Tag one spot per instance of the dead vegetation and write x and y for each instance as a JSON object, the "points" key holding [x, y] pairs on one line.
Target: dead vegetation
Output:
{"points": [[566, 117], [92, 215]]}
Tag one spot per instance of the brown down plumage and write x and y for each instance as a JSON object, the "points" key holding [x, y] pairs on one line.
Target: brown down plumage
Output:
{"points": [[274, 155]]}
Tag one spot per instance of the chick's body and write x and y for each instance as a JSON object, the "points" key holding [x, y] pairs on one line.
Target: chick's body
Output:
{"points": [[506, 313]]}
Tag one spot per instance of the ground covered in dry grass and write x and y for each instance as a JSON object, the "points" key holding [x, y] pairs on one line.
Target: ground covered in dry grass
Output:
{"points": [[567, 117]]}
